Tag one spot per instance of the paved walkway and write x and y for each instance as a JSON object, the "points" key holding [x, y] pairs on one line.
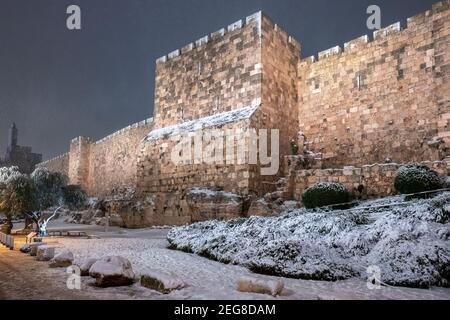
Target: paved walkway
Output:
{"points": [[22, 277]]}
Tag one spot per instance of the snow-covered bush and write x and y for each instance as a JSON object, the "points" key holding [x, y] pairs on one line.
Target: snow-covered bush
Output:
{"points": [[8, 172], [410, 243], [414, 178], [325, 194], [74, 197], [49, 186]]}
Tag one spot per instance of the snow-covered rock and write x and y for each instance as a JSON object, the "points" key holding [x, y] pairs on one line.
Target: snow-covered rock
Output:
{"points": [[62, 260], [270, 287], [112, 271], [407, 241], [26, 248], [33, 247], [114, 220], [86, 266], [208, 204], [162, 282], [45, 253]]}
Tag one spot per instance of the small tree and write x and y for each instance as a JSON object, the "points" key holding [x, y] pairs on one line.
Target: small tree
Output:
{"points": [[5, 174], [18, 196], [41, 221], [49, 187]]}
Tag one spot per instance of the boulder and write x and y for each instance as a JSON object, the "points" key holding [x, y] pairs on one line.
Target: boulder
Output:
{"points": [[45, 253], [115, 220], [26, 248], [131, 213], [86, 265], [63, 259], [87, 216], [270, 287], [162, 282], [260, 207], [34, 246], [209, 204], [112, 271]]}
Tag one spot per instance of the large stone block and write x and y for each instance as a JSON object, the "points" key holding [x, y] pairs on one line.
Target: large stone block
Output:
{"points": [[206, 204]]}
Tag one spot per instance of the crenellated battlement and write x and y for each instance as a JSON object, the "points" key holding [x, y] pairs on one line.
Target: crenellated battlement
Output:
{"points": [[59, 157], [125, 130], [239, 24], [136, 125], [388, 33], [81, 139], [251, 19]]}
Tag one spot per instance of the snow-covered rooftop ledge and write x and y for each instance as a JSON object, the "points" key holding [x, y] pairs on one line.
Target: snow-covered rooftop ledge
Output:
{"points": [[202, 123]]}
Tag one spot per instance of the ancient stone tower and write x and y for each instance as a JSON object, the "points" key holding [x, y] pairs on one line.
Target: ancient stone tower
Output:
{"points": [[19, 156], [12, 136]]}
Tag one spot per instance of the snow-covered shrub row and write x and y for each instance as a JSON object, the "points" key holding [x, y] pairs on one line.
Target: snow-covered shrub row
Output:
{"points": [[410, 243]]}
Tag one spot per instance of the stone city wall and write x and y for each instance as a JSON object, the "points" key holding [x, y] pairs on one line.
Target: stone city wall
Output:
{"points": [[381, 98], [372, 180]]}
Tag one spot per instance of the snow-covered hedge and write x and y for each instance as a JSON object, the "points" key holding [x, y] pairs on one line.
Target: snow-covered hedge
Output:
{"points": [[409, 243], [414, 178], [325, 194]]}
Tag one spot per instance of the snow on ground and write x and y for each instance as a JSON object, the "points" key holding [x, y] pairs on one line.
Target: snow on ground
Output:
{"points": [[147, 250], [207, 279], [409, 243]]}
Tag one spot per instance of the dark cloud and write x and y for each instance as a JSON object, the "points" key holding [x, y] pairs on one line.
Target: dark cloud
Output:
{"points": [[57, 84]]}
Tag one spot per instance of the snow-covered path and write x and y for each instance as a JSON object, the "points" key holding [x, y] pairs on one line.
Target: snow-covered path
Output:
{"points": [[22, 277]]}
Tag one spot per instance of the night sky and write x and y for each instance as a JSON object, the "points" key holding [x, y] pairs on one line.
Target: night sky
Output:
{"points": [[57, 84]]}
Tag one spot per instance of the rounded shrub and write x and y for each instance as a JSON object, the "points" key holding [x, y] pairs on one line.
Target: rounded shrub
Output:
{"points": [[416, 178], [74, 197], [325, 194]]}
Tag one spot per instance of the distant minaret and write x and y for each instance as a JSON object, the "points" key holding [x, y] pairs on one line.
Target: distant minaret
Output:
{"points": [[13, 134]]}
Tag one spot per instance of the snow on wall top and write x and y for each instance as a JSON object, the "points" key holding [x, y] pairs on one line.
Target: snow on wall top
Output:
{"points": [[202, 123]]}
